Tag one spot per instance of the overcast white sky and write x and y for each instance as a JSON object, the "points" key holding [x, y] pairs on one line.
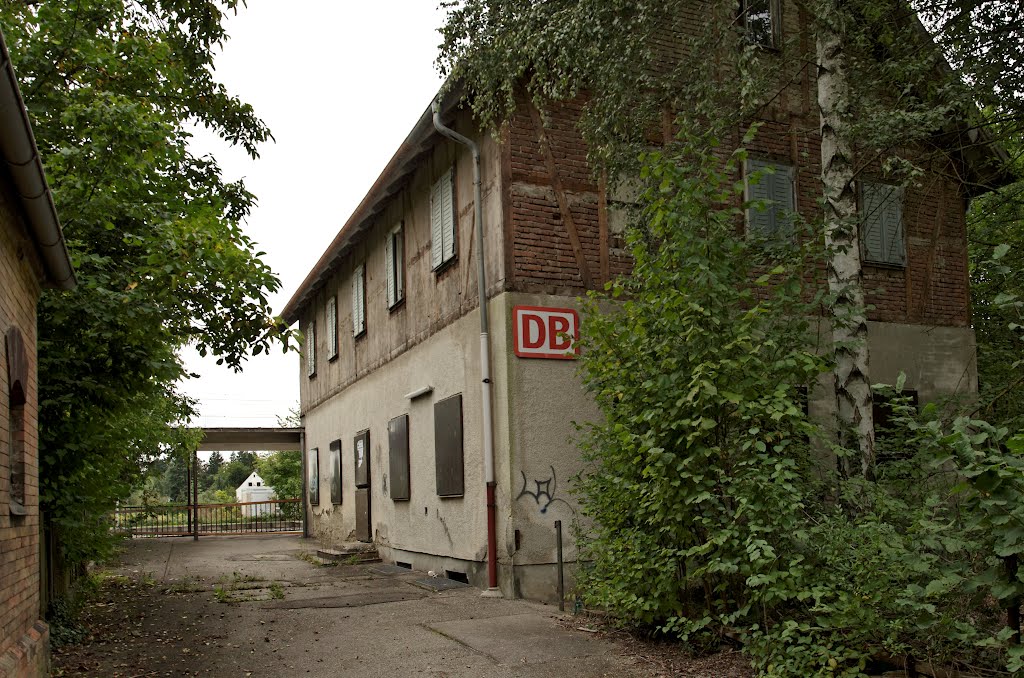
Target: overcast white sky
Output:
{"points": [[340, 84]]}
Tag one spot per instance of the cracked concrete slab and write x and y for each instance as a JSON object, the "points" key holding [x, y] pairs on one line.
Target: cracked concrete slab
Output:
{"points": [[520, 639]]}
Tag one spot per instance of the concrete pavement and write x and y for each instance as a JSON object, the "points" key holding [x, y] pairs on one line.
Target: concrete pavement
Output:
{"points": [[263, 606]]}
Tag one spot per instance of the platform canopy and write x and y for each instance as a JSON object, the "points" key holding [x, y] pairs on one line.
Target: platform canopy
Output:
{"points": [[251, 439]]}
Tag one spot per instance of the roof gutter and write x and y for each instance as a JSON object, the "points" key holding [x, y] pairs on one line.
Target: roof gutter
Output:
{"points": [[20, 153]]}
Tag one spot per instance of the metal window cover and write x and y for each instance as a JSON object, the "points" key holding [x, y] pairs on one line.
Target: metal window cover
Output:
{"points": [[361, 455], [335, 468], [314, 476], [363, 530], [448, 447], [398, 457]]}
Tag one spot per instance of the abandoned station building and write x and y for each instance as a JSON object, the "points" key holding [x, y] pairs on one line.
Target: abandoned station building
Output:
{"points": [[395, 378]]}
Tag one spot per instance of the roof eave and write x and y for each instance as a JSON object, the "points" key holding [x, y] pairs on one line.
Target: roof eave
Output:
{"points": [[21, 155], [420, 139]]}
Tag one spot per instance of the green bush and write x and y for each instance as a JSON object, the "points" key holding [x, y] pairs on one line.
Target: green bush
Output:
{"points": [[713, 506]]}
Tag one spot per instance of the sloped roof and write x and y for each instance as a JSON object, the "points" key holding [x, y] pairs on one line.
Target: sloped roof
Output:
{"points": [[21, 156], [420, 140]]}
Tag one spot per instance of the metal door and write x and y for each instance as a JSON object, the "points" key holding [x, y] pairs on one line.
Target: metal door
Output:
{"points": [[361, 451], [363, 530]]}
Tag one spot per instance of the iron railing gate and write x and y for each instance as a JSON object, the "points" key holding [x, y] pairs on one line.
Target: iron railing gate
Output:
{"points": [[183, 520]]}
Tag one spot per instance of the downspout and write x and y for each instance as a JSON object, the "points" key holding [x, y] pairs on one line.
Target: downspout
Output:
{"points": [[485, 354], [19, 151]]}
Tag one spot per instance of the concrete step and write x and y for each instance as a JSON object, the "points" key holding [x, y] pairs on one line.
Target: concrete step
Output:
{"points": [[359, 555]]}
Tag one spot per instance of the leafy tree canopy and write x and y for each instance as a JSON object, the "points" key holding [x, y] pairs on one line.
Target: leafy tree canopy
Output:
{"points": [[112, 88]]}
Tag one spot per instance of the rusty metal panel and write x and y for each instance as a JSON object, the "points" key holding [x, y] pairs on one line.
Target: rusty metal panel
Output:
{"points": [[335, 471], [398, 457], [361, 452], [448, 446], [363, 531]]}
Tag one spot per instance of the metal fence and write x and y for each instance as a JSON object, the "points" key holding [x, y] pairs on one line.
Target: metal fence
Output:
{"points": [[182, 520]]}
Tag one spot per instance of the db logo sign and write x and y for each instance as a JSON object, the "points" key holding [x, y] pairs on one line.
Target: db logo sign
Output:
{"points": [[545, 332]]}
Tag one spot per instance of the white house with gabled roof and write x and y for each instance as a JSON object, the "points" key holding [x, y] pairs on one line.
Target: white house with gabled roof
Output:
{"points": [[254, 489]]}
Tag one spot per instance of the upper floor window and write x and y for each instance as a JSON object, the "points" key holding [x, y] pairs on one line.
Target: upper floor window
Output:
{"points": [[332, 328], [881, 230], [359, 300], [761, 21], [394, 265], [311, 349], [442, 220], [771, 185]]}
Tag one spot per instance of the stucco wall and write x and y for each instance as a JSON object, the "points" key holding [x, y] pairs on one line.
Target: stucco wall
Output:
{"points": [[429, 525]]}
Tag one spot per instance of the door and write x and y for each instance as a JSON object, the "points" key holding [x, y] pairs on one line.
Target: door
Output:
{"points": [[361, 451]]}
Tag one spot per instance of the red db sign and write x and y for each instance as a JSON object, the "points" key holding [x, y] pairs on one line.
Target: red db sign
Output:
{"points": [[545, 332]]}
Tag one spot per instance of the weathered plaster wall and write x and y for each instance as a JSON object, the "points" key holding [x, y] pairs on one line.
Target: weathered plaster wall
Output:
{"points": [[433, 300], [427, 529]]}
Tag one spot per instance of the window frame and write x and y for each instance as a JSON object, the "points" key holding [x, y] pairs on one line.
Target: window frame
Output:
{"points": [[394, 267], [310, 349], [894, 200], [331, 311], [775, 19], [359, 301], [776, 231], [441, 258], [313, 476]]}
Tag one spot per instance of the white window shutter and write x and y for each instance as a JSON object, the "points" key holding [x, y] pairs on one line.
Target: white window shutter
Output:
{"points": [[449, 216], [311, 348], [399, 264], [389, 268], [332, 327], [358, 299], [437, 222]]}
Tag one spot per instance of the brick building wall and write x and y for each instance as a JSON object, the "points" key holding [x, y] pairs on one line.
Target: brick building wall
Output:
{"points": [[931, 289], [24, 638]]}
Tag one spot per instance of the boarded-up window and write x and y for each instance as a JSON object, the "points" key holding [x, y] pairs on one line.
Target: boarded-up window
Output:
{"points": [[448, 446], [442, 220], [881, 230], [311, 348], [335, 471], [770, 185], [332, 328], [17, 377], [361, 452], [394, 266], [313, 476], [359, 300], [398, 457]]}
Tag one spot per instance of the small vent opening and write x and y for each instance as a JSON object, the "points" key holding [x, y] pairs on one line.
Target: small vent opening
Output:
{"points": [[407, 566], [457, 576]]}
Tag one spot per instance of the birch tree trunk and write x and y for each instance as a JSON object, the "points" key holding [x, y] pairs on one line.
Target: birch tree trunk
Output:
{"points": [[848, 314]]}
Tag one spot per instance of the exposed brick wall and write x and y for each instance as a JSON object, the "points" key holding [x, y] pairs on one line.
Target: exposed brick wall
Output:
{"points": [[931, 289], [24, 638]]}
